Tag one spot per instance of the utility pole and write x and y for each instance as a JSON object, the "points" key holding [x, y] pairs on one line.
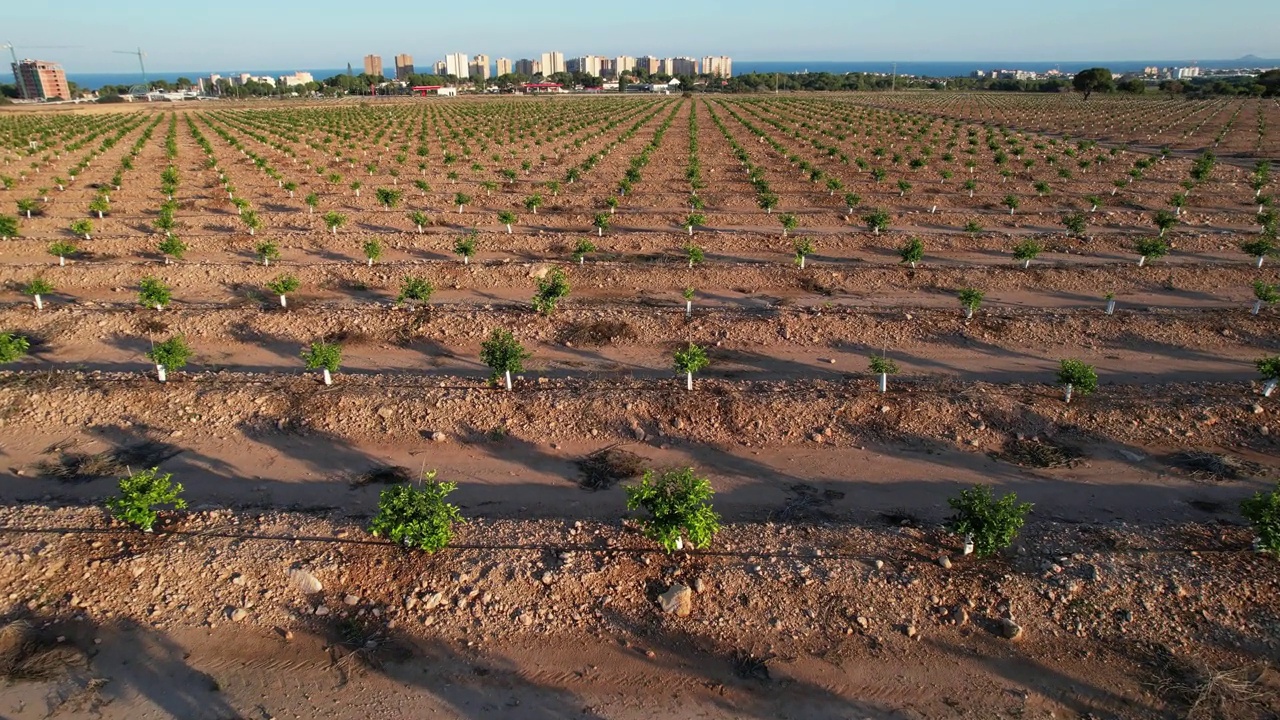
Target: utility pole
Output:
{"points": [[895, 76]]}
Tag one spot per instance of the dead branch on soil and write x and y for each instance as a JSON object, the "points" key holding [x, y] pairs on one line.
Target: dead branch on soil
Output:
{"points": [[1206, 691], [1216, 467], [608, 466]]}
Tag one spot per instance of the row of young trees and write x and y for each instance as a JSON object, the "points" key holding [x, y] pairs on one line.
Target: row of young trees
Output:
{"points": [[676, 505]]}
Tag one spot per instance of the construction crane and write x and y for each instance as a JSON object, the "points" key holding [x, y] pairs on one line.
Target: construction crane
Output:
{"points": [[14, 53], [137, 89]]}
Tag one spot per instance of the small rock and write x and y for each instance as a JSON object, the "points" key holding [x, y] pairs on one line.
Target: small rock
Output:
{"points": [[863, 622], [438, 436], [910, 631], [945, 562], [237, 579], [304, 581], [385, 413], [1009, 629], [351, 600], [699, 586], [879, 564], [322, 610], [432, 601], [1257, 409], [547, 577], [677, 599], [238, 614], [959, 616]]}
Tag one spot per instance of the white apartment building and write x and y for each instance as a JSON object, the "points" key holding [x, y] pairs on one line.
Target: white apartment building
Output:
{"points": [[504, 66], [721, 66], [480, 67], [456, 64], [591, 65], [1182, 73], [623, 63], [298, 78], [552, 62]]}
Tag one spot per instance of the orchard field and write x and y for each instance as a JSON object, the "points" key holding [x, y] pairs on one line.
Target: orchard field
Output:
{"points": [[965, 245]]}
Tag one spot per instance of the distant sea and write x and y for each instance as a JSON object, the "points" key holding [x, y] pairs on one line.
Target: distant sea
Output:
{"points": [[741, 67]]}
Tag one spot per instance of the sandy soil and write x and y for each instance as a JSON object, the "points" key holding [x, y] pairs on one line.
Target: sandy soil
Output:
{"points": [[1133, 581]]}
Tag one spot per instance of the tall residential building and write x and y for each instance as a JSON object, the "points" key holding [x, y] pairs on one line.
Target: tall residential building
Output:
{"points": [[679, 66], [404, 66], [456, 64], [480, 67], [623, 63], [552, 63], [648, 63], [373, 65], [41, 80], [438, 68], [721, 66], [590, 64], [528, 67], [504, 66]]}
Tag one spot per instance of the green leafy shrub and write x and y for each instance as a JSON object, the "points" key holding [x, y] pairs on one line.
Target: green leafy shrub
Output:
{"points": [[172, 354], [503, 354], [803, 248], [912, 252], [678, 503], [141, 493], [283, 284], [417, 517], [415, 288], [323, 356], [173, 247], [466, 247], [153, 292], [1263, 513], [993, 523], [1080, 376], [37, 286], [970, 300], [583, 247], [881, 365], [693, 254], [267, 251], [550, 290], [12, 347], [1027, 250], [1152, 247]]}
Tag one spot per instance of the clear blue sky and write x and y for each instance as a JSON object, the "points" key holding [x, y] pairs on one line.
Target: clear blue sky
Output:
{"points": [[283, 34]]}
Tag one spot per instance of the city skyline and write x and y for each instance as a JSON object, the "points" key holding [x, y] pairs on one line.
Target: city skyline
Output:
{"points": [[812, 31]]}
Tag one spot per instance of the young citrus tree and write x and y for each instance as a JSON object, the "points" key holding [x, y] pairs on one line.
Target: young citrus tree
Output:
{"points": [[62, 250], [417, 517], [1011, 202], [694, 220], [415, 288], [82, 227], [466, 247], [601, 223], [884, 367], [507, 218], [12, 347], [1269, 369], [693, 254], [1026, 251], [153, 293], [325, 357], [1265, 293], [251, 221], [172, 354], [550, 290], [334, 220], [1151, 247], [583, 247], [803, 248], [267, 251], [388, 198], [876, 220], [172, 247], [36, 288], [1076, 376], [970, 300], [1261, 248], [689, 360], [988, 524], [282, 285], [679, 505], [688, 301], [372, 250], [141, 493], [532, 203], [788, 222], [8, 227], [312, 201], [461, 200], [1263, 513], [419, 218], [504, 355], [912, 252]]}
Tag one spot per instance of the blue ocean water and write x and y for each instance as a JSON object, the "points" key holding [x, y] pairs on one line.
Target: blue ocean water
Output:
{"points": [[742, 67]]}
